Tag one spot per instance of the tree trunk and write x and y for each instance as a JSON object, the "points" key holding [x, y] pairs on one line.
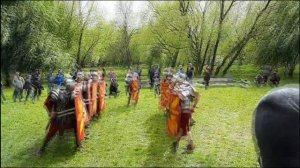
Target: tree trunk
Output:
{"points": [[241, 44], [233, 59], [291, 71], [7, 77], [233, 50], [79, 47], [205, 54], [175, 55], [218, 37], [215, 50]]}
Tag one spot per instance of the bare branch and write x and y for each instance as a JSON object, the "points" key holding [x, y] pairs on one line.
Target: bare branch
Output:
{"points": [[228, 8]]}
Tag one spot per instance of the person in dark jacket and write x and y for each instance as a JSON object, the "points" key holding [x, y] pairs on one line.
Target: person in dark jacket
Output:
{"points": [[207, 74], [275, 78], [190, 73], [37, 84]]}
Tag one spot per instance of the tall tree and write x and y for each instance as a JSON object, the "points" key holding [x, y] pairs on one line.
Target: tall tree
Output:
{"points": [[127, 30], [278, 45], [223, 14], [83, 25], [236, 50]]}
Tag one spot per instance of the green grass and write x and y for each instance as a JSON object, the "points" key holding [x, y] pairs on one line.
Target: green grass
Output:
{"points": [[136, 137]]}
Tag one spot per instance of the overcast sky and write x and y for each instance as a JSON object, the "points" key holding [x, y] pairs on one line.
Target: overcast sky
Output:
{"points": [[108, 8]]}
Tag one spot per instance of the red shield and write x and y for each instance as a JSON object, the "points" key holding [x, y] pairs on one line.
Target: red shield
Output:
{"points": [[94, 91], [80, 112], [173, 123], [101, 97]]}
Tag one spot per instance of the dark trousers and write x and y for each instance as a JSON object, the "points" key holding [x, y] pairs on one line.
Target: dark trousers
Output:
{"points": [[29, 93], [17, 94]]}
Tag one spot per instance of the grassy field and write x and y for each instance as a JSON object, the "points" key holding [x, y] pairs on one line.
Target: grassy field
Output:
{"points": [[135, 137]]}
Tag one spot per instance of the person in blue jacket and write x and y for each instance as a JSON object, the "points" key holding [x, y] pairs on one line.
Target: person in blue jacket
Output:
{"points": [[59, 79]]}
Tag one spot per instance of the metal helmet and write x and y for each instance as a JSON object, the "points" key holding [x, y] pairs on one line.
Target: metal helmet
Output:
{"points": [[80, 75], [70, 85]]}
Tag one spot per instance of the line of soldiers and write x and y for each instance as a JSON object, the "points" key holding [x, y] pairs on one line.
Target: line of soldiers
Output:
{"points": [[74, 105], [178, 99]]}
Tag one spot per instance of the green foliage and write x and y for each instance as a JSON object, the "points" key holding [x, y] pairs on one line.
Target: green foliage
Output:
{"points": [[279, 44], [30, 37], [47, 34]]}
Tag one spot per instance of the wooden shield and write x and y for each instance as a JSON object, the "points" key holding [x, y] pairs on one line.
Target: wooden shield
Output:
{"points": [[173, 122]]}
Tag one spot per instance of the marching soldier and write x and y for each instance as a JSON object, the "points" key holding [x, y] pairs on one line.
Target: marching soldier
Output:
{"points": [[183, 100], [64, 107], [132, 78]]}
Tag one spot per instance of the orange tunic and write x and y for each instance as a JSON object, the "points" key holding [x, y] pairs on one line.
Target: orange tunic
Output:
{"points": [[165, 95], [173, 122], [134, 91]]}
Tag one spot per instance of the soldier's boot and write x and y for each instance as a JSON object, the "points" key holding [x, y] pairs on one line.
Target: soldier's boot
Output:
{"points": [[192, 122], [190, 147], [175, 145]]}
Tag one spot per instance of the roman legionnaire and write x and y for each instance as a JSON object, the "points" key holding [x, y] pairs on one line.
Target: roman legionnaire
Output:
{"points": [[139, 72], [184, 99], [101, 95], [83, 86], [128, 79], [94, 93], [165, 89], [80, 89], [64, 107], [113, 87], [132, 79], [86, 94]]}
